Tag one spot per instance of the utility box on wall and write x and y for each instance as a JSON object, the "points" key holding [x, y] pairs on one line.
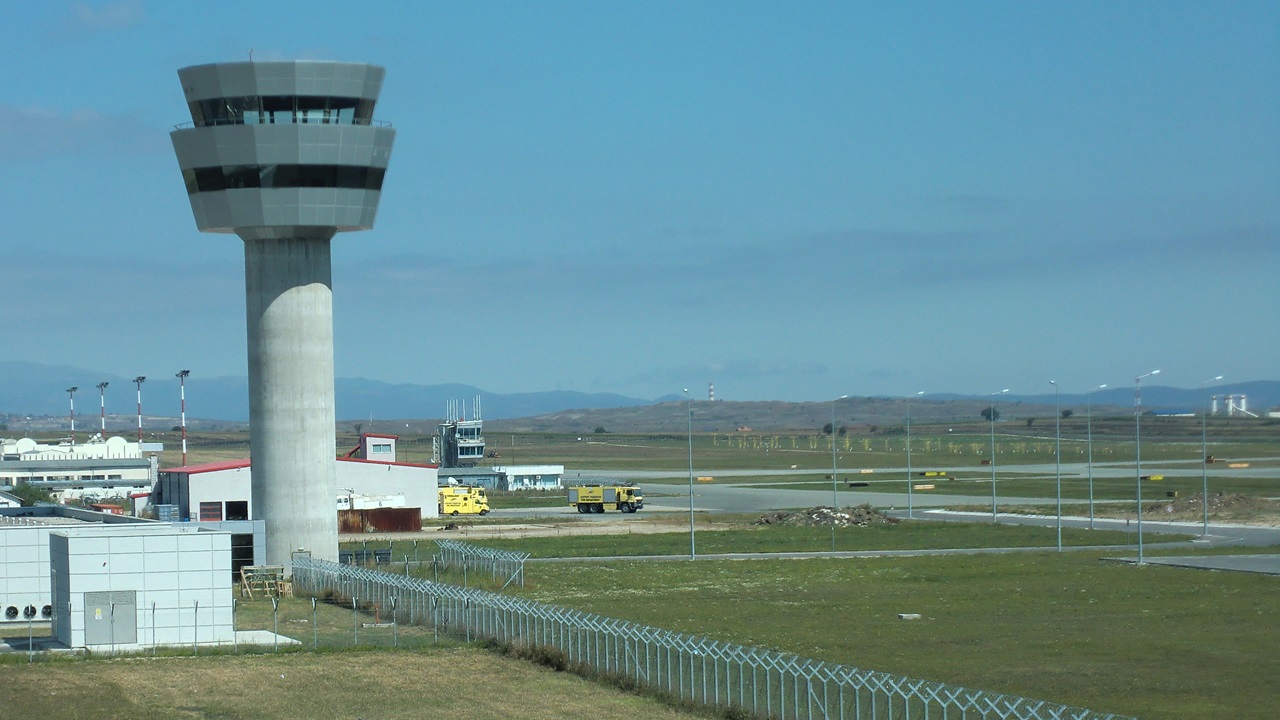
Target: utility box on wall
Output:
{"points": [[118, 590]]}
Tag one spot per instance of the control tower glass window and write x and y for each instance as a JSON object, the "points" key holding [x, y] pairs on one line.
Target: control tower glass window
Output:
{"points": [[282, 110], [239, 177]]}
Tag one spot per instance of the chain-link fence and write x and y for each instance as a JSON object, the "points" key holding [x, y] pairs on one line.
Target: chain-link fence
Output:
{"points": [[503, 565], [764, 683]]}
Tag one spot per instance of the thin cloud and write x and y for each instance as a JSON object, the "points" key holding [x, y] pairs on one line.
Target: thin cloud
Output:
{"points": [[971, 203], [728, 370], [34, 133], [105, 17]]}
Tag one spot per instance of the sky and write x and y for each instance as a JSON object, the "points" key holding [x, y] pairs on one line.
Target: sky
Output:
{"points": [[791, 200]]}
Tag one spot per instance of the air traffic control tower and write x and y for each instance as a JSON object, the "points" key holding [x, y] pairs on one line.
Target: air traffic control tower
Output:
{"points": [[285, 155]]}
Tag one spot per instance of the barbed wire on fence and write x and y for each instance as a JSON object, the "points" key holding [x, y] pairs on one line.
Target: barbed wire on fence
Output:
{"points": [[767, 683], [505, 564]]}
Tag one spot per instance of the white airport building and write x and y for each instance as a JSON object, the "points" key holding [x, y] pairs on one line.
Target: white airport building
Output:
{"points": [[114, 467], [367, 477]]}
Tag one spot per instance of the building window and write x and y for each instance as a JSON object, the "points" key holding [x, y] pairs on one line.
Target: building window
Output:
{"points": [[382, 449], [282, 109], [210, 512], [240, 177], [237, 509]]}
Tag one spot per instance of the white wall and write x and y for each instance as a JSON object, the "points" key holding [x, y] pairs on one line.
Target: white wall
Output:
{"points": [[417, 483], [220, 486], [178, 577], [24, 569]]}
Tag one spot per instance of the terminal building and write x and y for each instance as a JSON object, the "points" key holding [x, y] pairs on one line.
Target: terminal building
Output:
{"points": [[114, 467], [459, 446]]}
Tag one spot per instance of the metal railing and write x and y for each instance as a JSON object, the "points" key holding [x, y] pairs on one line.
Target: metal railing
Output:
{"points": [[766, 683], [215, 122]]}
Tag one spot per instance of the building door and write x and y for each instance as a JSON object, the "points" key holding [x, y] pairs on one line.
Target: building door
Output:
{"points": [[111, 618]]}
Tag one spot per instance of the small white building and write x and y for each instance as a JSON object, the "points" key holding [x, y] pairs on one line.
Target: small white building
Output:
{"points": [[507, 477], [24, 556], [131, 587]]}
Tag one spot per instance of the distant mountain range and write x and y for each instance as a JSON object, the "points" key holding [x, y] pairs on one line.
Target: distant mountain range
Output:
{"points": [[30, 389], [41, 390]]}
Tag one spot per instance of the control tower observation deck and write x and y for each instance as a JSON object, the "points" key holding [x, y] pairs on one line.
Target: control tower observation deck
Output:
{"points": [[285, 155]]}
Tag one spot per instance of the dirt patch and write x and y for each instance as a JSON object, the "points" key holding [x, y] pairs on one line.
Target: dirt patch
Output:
{"points": [[463, 531], [1223, 507], [861, 516]]}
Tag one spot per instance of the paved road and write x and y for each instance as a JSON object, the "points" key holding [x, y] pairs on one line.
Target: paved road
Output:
{"points": [[726, 496]]}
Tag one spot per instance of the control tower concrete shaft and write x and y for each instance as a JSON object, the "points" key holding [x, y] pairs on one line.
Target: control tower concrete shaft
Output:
{"points": [[285, 155]]}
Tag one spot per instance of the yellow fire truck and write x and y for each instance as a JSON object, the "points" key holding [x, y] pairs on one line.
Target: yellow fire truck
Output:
{"points": [[595, 498], [463, 500]]}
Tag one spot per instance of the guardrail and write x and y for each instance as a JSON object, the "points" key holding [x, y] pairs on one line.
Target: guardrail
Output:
{"points": [[221, 122], [766, 683]]}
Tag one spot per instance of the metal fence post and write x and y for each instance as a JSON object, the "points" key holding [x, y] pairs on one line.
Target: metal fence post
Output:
{"points": [[275, 624]]}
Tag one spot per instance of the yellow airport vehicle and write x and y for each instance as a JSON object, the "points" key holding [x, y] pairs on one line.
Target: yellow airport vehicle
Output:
{"points": [[463, 500], [596, 498]]}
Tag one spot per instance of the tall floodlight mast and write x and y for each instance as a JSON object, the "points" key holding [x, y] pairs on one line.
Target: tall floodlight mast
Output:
{"points": [[102, 407], [182, 376], [138, 381], [71, 392], [285, 155]]}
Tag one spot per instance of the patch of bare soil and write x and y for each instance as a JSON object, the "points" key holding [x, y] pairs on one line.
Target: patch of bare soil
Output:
{"points": [[1223, 507], [861, 516]]}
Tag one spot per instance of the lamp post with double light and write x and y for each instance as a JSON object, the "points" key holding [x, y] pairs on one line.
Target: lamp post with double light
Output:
{"points": [[991, 412], [1057, 452], [688, 399], [1088, 419], [1204, 455], [910, 507], [835, 500], [1137, 445]]}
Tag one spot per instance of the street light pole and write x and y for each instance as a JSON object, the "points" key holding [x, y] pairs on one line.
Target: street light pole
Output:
{"points": [[182, 389], [71, 392], [102, 406], [991, 412], [835, 504], [138, 381], [910, 511], [1088, 417], [1057, 452], [693, 552], [1137, 445], [1204, 457]]}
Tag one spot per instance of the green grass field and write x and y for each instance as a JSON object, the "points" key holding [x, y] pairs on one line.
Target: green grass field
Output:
{"points": [[382, 685], [1146, 641], [730, 534], [1171, 439], [1071, 627]]}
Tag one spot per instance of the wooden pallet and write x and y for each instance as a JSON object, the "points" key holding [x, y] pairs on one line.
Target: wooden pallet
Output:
{"points": [[264, 581]]}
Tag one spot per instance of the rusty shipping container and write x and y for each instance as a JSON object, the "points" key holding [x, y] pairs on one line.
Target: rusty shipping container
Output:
{"points": [[353, 522]]}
